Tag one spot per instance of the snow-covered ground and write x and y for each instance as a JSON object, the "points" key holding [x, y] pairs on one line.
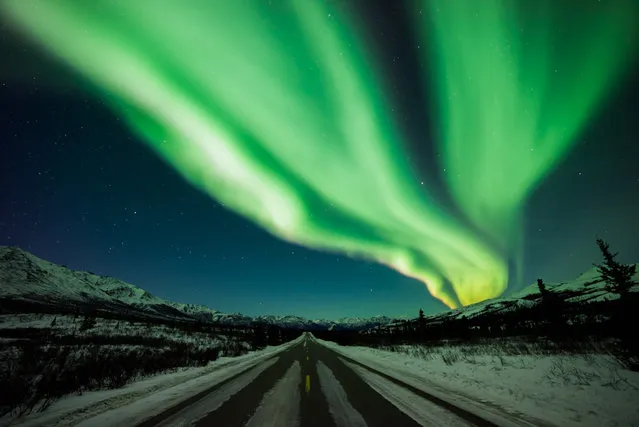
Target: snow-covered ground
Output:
{"points": [[561, 390], [81, 327], [44, 357], [421, 410], [143, 399]]}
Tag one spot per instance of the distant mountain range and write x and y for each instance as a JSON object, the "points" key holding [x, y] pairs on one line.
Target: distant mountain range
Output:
{"points": [[30, 284], [587, 288]]}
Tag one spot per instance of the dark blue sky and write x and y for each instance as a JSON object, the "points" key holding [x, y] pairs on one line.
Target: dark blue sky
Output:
{"points": [[78, 188]]}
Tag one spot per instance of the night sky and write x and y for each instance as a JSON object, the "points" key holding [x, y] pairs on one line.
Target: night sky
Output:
{"points": [[80, 187]]}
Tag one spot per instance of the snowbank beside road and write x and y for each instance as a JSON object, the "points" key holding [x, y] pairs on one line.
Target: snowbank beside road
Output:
{"points": [[144, 399], [589, 390], [419, 409]]}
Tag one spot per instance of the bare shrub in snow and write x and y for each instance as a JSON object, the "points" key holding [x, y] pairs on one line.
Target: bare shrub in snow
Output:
{"points": [[568, 374], [39, 364], [451, 356]]}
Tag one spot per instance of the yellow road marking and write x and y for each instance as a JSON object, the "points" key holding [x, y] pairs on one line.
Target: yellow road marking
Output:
{"points": [[308, 383]]}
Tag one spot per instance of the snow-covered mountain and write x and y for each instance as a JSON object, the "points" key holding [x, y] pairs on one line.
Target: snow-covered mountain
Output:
{"points": [[31, 284], [588, 287], [345, 323]]}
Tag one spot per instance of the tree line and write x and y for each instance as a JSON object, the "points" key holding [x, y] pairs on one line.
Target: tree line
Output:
{"points": [[548, 314]]}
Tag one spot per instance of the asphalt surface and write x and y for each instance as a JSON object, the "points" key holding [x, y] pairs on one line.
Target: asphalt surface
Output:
{"points": [[237, 401]]}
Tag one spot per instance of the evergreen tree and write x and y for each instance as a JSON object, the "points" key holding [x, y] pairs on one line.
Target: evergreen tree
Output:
{"points": [[421, 325], [259, 337], [542, 287], [552, 306], [618, 277]]}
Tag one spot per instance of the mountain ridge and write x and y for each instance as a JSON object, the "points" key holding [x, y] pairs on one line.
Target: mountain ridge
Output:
{"points": [[588, 287], [29, 282]]}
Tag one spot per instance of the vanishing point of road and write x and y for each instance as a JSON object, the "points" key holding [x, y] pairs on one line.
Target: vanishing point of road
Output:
{"points": [[309, 384]]}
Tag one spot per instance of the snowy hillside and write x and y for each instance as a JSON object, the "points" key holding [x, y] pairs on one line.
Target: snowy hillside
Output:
{"points": [[588, 287], [30, 284]]}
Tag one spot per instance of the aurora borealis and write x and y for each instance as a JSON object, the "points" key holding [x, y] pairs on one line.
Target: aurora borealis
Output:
{"points": [[281, 113], [514, 87]]}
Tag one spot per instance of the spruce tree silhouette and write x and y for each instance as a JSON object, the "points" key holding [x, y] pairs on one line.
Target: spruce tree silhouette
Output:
{"points": [[618, 277], [421, 326], [552, 307], [542, 287]]}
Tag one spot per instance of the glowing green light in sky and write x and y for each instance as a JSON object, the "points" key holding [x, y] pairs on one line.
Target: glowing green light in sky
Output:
{"points": [[515, 82], [275, 111]]}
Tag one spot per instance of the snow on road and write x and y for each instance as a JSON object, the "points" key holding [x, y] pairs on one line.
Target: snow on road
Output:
{"points": [[340, 408], [560, 390], [212, 401], [156, 403], [281, 405], [145, 398], [421, 410]]}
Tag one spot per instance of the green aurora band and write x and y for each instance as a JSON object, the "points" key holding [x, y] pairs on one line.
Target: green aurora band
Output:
{"points": [[274, 110], [515, 82]]}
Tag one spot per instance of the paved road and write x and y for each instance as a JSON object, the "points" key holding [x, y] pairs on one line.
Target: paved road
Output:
{"points": [[311, 385]]}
